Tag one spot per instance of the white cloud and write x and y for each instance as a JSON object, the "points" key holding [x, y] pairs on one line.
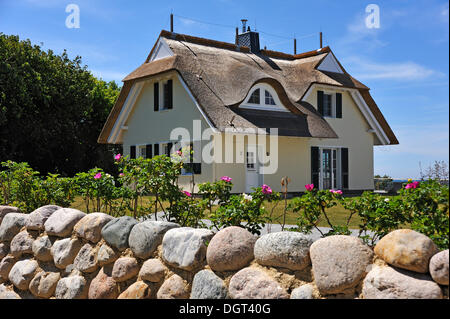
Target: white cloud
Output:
{"points": [[364, 69]]}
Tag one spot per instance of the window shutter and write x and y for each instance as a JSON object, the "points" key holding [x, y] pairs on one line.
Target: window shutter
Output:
{"points": [[169, 148], [156, 147], [169, 94], [339, 105], [148, 151], [320, 102], [133, 151], [315, 166], [156, 96], [197, 168], [344, 167]]}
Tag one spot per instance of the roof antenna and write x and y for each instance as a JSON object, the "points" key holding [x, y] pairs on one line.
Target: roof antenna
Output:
{"points": [[244, 23], [321, 39], [171, 22]]}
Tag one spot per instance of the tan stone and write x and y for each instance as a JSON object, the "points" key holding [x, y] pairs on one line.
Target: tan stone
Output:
{"points": [[407, 249], [173, 288], [138, 290], [103, 286]]}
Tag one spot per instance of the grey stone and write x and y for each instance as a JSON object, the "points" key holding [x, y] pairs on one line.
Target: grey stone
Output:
{"points": [[207, 285], [6, 293], [185, 247], [42, 248], [125, 268], [146, 236], [22, 272], [153, 270], [251, 283], [62, 221], [11, 225], [230, 249], [64, 251], [73, 287], [439, 267], [117, 231], [4, 249], [106, 255], [6, 210], [39, 216], [90, 226], [173, 288], [21, 244], [44, 284], [303, 292], [283, 249], [86, 260], [339, 262], [394, 283], [5, 266], [407, 249]]}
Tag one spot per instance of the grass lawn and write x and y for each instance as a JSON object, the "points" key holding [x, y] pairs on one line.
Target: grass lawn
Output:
{"points": [[338, 215]]}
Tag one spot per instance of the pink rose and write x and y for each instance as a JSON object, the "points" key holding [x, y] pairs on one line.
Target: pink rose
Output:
{"points": [[117, 157], [226, 179], [187, 194], [98, 176], [309, 187], [179, 153], [121, 174], [266, 189]]}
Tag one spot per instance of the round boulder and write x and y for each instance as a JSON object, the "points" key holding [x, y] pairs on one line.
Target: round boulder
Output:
{"points": [[90, 226], [5, 266], [173, 288], [283, 249], [117, 231], [64, 251], [339, 262], [11, 225], [185, 247], [439, 267], [86, 259], [73, 287], [62, 221], [303, 292], [138, 290], [41, 248], [251, 283], [103, 286], [152, 270], [125, 268], [22, 272], [39, 216], [207, 285], [393, 283], [6, 210], [145, 237], [407, 249], [44, 284], [106, 255], [21, 244], [230, 249]]}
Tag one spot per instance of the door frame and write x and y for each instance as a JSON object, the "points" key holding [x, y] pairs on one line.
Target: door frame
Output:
{"points": [[338, 166], [258, 166]]}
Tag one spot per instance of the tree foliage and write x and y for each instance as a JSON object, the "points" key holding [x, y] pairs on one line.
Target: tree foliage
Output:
{"points": [[52, 110]]}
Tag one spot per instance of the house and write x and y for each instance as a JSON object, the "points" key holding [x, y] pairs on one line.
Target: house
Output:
{"points": [[222, 94]]}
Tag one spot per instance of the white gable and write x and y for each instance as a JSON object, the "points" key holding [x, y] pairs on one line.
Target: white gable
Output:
{"points": [[330, 64], [162, 50]]}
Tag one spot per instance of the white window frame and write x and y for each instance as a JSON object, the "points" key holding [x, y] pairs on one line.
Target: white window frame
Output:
{"points": [[139, 148], [262, 99], [161, 82], [333, 103], [338, 166]]}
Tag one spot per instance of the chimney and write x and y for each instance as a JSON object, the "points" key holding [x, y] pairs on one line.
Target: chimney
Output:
{"points": [[248, 38]]}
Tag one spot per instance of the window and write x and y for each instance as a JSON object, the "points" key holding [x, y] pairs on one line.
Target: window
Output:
{"points": [[192, 166], [163, 95], [142, 151], [255, 98], [269, 98], [250, 160], [329, 104]]}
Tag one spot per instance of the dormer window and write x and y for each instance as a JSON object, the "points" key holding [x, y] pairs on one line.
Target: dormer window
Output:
{"points": [[263, 97], [329, 104]]}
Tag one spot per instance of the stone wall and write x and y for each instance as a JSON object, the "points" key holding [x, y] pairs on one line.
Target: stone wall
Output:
{"points": [[64, 253]]}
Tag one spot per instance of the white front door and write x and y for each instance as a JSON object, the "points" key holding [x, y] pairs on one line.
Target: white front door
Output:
{"points": [[252, 176]]}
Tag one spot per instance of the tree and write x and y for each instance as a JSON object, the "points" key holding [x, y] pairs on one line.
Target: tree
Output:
{"points": [[52, 110], [438, 171]]}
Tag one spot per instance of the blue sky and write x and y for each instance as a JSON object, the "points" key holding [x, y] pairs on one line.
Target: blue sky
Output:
{"points": [[405, 62]]}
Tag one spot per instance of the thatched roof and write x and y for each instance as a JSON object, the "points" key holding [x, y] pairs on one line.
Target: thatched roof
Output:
{"points": [[220, 75]]}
